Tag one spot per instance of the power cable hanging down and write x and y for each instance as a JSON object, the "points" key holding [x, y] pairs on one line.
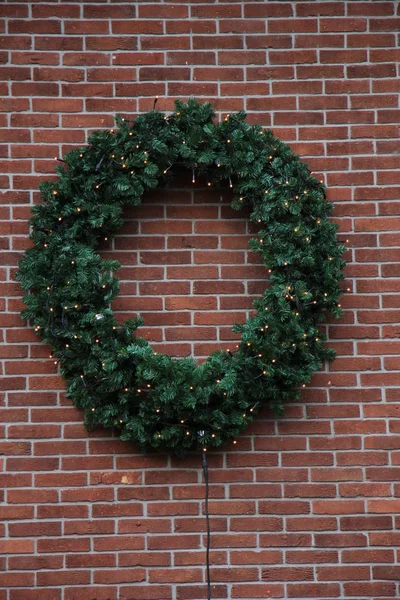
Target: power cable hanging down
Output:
{"points": [[205, 471]]}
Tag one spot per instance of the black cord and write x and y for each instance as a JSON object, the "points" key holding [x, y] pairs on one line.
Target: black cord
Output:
{"points": [[205, 471]]}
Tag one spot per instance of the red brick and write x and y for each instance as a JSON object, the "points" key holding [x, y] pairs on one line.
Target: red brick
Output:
{"points": [[314, 487]]}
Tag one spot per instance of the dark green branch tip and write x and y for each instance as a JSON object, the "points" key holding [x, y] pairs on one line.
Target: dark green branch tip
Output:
{"points": [[114, 375]]}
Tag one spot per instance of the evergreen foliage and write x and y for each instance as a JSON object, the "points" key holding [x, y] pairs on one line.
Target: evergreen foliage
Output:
{"points": [[113, 374]]}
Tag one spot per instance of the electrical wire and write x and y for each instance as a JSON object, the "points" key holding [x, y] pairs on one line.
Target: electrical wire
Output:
{"points": [[205, 471]]}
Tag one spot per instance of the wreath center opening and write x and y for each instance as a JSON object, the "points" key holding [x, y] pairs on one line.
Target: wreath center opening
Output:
{"points": [[186, 267]]}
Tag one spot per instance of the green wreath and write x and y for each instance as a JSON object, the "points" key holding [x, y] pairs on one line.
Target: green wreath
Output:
{"points": [[115, 376]]}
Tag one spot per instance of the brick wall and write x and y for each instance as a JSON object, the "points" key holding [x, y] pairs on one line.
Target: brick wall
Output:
{"points": [[304, 507]]}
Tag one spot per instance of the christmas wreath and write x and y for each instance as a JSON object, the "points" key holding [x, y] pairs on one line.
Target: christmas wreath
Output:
{"points": [[114, 375]]}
